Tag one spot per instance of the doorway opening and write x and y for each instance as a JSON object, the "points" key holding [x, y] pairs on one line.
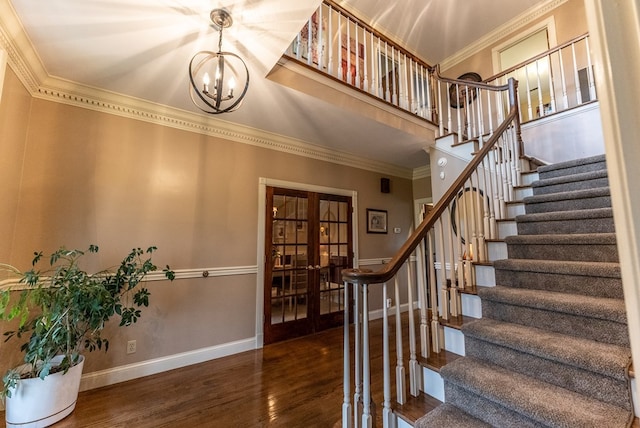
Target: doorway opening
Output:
{"points": [[308, 242]]}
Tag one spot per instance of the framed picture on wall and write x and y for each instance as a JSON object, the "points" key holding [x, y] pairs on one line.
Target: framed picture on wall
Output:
{"points": [[376, 221]]}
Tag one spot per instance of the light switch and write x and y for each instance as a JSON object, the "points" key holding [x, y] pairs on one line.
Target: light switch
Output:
{"points": [[396, 230]]}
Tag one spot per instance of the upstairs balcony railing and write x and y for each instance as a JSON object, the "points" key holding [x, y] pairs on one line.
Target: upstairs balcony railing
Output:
{"points": [[347, 49], [343, 47], [553, 81]]}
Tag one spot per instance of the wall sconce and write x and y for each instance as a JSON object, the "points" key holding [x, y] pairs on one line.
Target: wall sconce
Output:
{"points": [[227, 69]]}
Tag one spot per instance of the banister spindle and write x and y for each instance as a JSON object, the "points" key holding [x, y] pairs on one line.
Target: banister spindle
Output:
{"points": [[415, 372], [367, 418], [347, 421], [401, 396], [387, 414]]}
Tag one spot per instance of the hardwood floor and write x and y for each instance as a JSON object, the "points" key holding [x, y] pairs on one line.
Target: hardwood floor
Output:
{"points": [[291, 384]]}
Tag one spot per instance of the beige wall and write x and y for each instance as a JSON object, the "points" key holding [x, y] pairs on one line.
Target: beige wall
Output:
{"points": [[570, 22], [90, 177]]}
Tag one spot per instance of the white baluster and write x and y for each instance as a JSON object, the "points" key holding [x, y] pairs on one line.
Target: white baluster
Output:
{"points": [[347, 421], [320, 44], [330, 42], [367, 418], [575, 75], [357, 82], [340, 68], [444, 288], [565, 97], [365, 83], [552, 90], [540, 105], [455, 309], [433, 286], [357, 339], [423, 283], [387, 414], [415, 371], [592, 85], [401, 396], [427, 96]]}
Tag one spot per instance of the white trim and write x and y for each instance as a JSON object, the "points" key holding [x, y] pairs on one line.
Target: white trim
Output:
{"points": [[263, 182], [204, 272], [502, 31], [14, 284], [3, 67], [612, 25], [549, 24], [422, 172], [158, 365]]}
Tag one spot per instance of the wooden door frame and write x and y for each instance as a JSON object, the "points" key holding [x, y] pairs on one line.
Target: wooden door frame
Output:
{"points": [[263, 183]]}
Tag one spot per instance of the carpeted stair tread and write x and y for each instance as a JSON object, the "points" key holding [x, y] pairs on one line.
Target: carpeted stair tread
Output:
{"points": [[597, 247], [599, 197], [599, 279], [578, 268], [569, 238], [566, 215], [603, 358], [596, 220], [564, 179], [447, 415], [592, 163], [568, 196], [586, 306], [542, 403]]}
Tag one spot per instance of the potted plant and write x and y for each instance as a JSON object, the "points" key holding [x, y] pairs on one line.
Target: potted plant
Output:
{"points": [[62, 311]]}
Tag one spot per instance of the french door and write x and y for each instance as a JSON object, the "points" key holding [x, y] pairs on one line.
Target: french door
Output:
{"points": [[308, 242]]}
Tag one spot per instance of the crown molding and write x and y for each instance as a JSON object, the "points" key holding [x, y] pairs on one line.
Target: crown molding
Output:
{"points": [[422, 172], [500, 32], [25, 62]]}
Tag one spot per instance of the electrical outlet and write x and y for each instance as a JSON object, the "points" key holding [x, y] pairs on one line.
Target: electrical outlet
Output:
{"points": [[131, 347], [389, 303]]}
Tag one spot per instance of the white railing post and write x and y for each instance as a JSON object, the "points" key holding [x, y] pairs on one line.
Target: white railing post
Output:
{"points": [[415, 373], [357, 339], [367, 418], [387, 414], [401, 396], [347, 421]]}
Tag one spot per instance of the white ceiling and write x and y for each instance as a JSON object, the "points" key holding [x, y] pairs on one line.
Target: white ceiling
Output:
{"points": [[141, 48]]}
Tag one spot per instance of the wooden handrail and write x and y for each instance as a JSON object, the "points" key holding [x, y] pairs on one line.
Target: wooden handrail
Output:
{"points": [[471, 83], [366, 276]]}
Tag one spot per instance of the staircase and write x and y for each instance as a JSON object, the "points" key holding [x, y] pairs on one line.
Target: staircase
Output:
{"points": [[552, 348]]}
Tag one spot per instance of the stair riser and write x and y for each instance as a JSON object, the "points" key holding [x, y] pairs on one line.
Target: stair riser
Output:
{"points": [[485, 275], [568, 205], [562, 172], [566, 252], [523, 192], [497, 250], [574, 325], [610, 288], [514, 209], [507, 228], [486, 410], [571, 186], [529, 177], [598, 386], [568, 226]]}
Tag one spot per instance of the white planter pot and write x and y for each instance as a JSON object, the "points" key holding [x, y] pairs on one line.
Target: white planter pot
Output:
{"points": [[37, 403]]}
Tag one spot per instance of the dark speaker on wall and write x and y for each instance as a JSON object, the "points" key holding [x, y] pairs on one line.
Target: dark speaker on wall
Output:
{"points": [[385, 185]]}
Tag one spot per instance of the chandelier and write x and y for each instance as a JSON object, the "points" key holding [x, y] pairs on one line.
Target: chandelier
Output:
{"points": [[215, 76]]}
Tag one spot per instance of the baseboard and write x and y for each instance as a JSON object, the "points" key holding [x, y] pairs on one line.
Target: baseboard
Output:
{"points": [[377, 314], [158, 365]]}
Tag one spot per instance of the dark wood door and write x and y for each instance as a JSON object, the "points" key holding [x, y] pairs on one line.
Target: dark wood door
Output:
{"points": [[308, 242]]}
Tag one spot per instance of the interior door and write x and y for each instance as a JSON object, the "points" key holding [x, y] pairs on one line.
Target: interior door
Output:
{"points": [[308, 242]]}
